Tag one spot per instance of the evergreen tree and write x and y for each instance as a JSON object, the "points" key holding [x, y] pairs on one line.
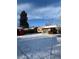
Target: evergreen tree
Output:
{"points": [[23, 20]]}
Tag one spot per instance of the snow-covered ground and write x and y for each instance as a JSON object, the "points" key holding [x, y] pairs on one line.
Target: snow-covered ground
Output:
{"points": [[39, 46]]}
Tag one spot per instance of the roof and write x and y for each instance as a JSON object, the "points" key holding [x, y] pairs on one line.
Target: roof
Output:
{"points": [[51, 26]]}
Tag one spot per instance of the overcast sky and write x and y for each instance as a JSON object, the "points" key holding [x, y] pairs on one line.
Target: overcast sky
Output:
{"points": [[40, 9]]}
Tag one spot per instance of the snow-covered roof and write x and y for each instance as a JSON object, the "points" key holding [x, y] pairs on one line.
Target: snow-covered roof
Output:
{"points": [[19, 28], [51, 26]]}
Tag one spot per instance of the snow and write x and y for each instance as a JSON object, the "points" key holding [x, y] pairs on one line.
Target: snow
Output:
{"points": [[39, 46], [51, 26], [39, 35]]}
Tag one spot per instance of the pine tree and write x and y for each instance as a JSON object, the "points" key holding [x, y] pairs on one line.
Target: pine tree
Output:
{"points": [[23, 20]]}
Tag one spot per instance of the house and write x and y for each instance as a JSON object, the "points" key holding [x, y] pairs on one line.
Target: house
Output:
{"points": [[52, 29], [24, 31]]}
